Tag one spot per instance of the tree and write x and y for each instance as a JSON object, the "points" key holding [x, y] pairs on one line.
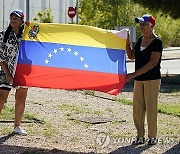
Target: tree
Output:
{"points": [[44, 17], [171, 7], [107, 13]]}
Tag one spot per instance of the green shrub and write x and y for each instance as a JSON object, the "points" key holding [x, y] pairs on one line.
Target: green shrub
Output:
{"points": [[109, 14], [168, 30]]}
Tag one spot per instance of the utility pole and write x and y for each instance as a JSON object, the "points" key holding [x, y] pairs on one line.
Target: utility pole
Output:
{"points": [[3, 14], [76, 11], [49, 5], [27, 10]]}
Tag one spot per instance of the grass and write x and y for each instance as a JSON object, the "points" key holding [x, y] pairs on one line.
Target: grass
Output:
{"points": [[89, 92], [73, 108], [170, 109], [77, 109], [124, 101], [6, 130], [116, 122], [7, 113], [33, 118], [49, 131], [166, 108]]}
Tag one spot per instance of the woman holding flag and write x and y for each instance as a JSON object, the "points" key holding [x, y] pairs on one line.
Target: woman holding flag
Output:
{"points": [[147, 53], [9, 47]]}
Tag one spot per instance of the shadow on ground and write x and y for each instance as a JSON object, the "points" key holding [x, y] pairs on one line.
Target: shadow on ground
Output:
{"points": [[132, 149], [173, 150], [30, 150]]}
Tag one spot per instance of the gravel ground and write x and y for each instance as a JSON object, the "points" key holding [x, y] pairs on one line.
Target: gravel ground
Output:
{"points": [[57, 126]]}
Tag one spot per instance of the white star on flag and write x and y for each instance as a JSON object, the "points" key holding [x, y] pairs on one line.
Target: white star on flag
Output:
{"points": [[61, 48], [55, 51], [75, 53], [86, 66], [46, 61], [81, 59], [49, 55], [68, 49]]}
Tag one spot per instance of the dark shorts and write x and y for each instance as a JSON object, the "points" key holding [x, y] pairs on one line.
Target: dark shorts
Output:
{"points": [[5, 88]]}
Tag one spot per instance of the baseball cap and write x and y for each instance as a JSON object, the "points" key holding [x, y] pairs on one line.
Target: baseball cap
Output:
{"points": [[19, 13], [146, 18]]}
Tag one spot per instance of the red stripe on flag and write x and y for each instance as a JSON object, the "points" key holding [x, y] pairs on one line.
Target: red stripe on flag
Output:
{"points": [[59, 78]]}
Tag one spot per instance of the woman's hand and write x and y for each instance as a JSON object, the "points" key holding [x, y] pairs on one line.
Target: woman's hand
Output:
{"points": [[130, 76], [9, 78]]}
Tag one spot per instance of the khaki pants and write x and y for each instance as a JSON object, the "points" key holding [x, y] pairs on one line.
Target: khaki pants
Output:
{"points": [[145, 100]]}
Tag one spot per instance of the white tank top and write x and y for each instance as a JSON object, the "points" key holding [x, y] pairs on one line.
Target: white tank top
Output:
{"points": [[142, 48]]}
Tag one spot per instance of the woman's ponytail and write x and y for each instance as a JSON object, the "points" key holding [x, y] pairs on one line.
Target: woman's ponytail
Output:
{"points": [[7, 32], [21, 31], [9, 29]]}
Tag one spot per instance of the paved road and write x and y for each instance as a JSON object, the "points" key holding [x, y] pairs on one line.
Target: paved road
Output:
{"points": [[170, 61]]}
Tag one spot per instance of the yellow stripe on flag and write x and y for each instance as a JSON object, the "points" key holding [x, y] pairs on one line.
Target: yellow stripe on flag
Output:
{"points": [[76, 35]]}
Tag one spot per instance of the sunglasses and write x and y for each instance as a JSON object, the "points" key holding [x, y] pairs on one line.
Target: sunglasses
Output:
{"points": [[143, 24]]}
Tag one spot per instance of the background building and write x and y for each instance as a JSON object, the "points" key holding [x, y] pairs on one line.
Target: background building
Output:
{"points": [[59, 9]]}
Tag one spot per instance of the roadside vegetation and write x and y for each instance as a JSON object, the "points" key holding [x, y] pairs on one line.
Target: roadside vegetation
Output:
{"points": [[108, 14]]}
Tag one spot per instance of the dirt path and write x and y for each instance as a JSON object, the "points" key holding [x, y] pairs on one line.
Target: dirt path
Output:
{"points": [[59, 128]]}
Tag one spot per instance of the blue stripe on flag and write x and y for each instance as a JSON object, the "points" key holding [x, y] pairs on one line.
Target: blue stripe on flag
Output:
{"points": [[73, 57]]}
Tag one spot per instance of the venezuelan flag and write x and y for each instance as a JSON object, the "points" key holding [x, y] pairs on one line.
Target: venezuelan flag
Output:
{"points": [[66, 56]]}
